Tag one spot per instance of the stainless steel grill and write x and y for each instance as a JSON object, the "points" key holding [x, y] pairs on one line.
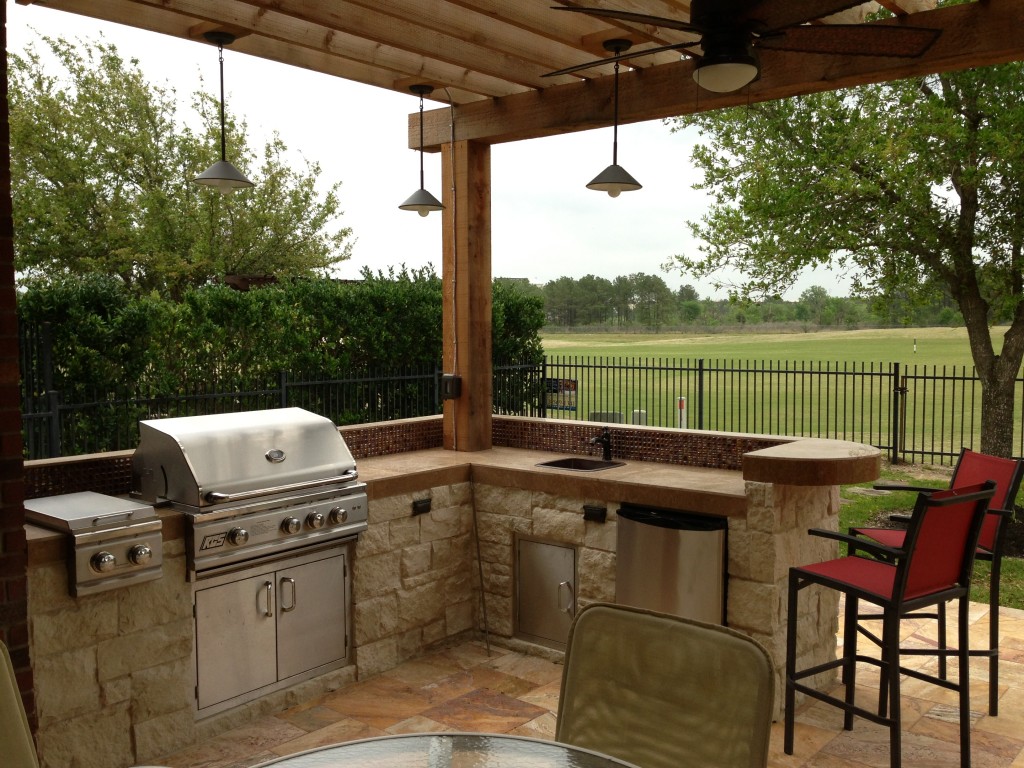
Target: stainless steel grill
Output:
{"points": [[252, 485], [114, 542], [272, 508]]}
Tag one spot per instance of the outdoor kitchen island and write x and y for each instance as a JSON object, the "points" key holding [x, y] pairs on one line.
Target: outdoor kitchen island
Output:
{"points": [[115, 671]]}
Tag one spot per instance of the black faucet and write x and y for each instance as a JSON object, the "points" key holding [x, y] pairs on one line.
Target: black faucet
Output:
{"points": [[605, 441]]}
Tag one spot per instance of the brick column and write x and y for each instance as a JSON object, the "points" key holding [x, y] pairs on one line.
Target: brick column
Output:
{"points": [[13, 553]]}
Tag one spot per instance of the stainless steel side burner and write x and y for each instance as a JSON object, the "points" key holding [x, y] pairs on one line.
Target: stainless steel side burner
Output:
{"points": [[115, 542]]}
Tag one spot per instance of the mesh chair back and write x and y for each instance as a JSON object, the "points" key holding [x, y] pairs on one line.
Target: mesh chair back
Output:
{"points": [[973, 468], [663, 691], [941, 539], [16, 747]]}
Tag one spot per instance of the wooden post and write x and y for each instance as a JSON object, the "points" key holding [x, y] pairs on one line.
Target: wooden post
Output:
{"points": [[466, 275]]}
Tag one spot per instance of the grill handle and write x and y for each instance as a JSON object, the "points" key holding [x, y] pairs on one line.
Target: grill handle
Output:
{"points": [[127, 515], [214, 496]]}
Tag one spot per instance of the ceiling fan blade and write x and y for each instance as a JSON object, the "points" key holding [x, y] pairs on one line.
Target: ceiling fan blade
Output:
{"points": [[773, 15], [623, 57], [636, 18], [853, 40]]}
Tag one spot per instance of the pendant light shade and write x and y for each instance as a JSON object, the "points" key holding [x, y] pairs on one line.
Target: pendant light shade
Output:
{"points": [[615, 179], [222, 175], [728, 64], [421, 201]]}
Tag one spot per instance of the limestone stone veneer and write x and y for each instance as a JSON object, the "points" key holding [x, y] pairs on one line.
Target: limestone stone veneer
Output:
{"points": [[113, 671]]}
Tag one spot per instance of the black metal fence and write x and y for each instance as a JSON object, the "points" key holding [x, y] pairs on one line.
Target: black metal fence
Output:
{"points": [[919, 413], [913, 413]]}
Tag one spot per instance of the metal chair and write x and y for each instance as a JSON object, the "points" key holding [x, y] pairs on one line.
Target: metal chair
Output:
{"points": [[16, 743], [662, 691], [971, 468], [932, 567]]}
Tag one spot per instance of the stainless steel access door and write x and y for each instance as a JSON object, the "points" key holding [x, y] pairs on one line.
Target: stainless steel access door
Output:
{"points": [[311, 628], [236, 639], [545, 591]]}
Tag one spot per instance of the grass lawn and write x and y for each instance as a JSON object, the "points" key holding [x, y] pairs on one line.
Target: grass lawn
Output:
{"points": [[935, 346], [860, 509]]}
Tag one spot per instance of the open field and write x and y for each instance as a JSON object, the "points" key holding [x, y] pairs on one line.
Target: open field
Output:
{"points": [[934, 346]]}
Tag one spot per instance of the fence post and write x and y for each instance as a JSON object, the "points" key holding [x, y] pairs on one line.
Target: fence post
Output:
{"points": [[437, 389], [544, 387], [53, 400], [282, 384], [898, 393], [700, 393]]}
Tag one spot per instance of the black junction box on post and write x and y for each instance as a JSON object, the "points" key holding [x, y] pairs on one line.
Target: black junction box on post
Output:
{"points": [[420, 506], [451, 386]]}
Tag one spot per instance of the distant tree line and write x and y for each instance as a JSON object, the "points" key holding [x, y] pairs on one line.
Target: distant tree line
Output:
{"points": [[645, 302]]}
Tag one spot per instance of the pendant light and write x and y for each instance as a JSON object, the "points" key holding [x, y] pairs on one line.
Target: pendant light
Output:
{"points": [[222, 175], [614, 179], [421, 201]]}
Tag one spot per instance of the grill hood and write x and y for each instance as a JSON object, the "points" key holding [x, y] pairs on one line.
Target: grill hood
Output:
{"points": [[204, 460]]}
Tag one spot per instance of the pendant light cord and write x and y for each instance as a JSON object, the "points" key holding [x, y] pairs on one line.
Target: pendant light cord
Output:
{"points": [[422, 186], [223, 140], [615, 124]]}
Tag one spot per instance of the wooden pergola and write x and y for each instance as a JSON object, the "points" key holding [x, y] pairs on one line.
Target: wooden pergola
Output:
{"points": [[487, 61]]}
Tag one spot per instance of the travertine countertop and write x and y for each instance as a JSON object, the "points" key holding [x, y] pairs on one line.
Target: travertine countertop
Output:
{"points": [[695, 489]]}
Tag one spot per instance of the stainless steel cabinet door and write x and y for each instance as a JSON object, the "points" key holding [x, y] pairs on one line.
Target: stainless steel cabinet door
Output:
{"points": [[311, 615], [235, 630], [546, 591]]}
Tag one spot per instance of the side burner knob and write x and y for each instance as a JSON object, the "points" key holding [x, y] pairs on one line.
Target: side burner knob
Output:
{"points": [[291, 525], [238, 536], [338, 515], [103, 562], [140, 554], [315, 520]]}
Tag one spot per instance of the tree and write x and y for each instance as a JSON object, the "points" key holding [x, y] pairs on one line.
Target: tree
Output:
{"points": [[101, 172], [815, 301], [911, 187]]}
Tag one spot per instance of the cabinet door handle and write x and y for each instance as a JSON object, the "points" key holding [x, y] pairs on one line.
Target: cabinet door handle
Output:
{"points": [[290, 582], [268, 587], [570, 605]]}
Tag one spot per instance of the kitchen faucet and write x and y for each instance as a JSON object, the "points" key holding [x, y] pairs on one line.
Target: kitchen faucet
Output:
{"points": [[605, 441]]}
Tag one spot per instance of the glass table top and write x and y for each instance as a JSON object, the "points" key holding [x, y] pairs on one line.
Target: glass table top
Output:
{"points": [[449, 750]]}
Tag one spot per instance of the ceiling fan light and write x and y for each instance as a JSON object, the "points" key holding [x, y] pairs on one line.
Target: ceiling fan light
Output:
{"points": [[614, 180], [725, 77], [223, 177], [422, 202], [728, 64]]}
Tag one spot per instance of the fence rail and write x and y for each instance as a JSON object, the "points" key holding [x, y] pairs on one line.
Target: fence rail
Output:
{"points": [[914, 414]]}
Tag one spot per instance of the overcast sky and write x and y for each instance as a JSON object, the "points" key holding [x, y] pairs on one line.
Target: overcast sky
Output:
{"points": [[545, 222]]}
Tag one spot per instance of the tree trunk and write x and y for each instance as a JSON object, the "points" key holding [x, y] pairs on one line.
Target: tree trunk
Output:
{"points": [[997, 420], [997, 372]]}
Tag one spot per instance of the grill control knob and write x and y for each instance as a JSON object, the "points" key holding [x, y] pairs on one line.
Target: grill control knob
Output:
{"points": [[238, 536], [140, 554], [315, 520], [291, 525], [103, 562], [338, 515]]}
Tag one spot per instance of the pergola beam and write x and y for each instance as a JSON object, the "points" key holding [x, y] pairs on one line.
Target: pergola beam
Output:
{"points": [[974, 35]]}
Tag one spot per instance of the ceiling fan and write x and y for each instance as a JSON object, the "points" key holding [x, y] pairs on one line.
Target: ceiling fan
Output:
{"points": [[732, 31]]}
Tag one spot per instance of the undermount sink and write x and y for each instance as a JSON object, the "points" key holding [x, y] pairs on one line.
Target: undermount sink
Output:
{"points": [[581, 464]]}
